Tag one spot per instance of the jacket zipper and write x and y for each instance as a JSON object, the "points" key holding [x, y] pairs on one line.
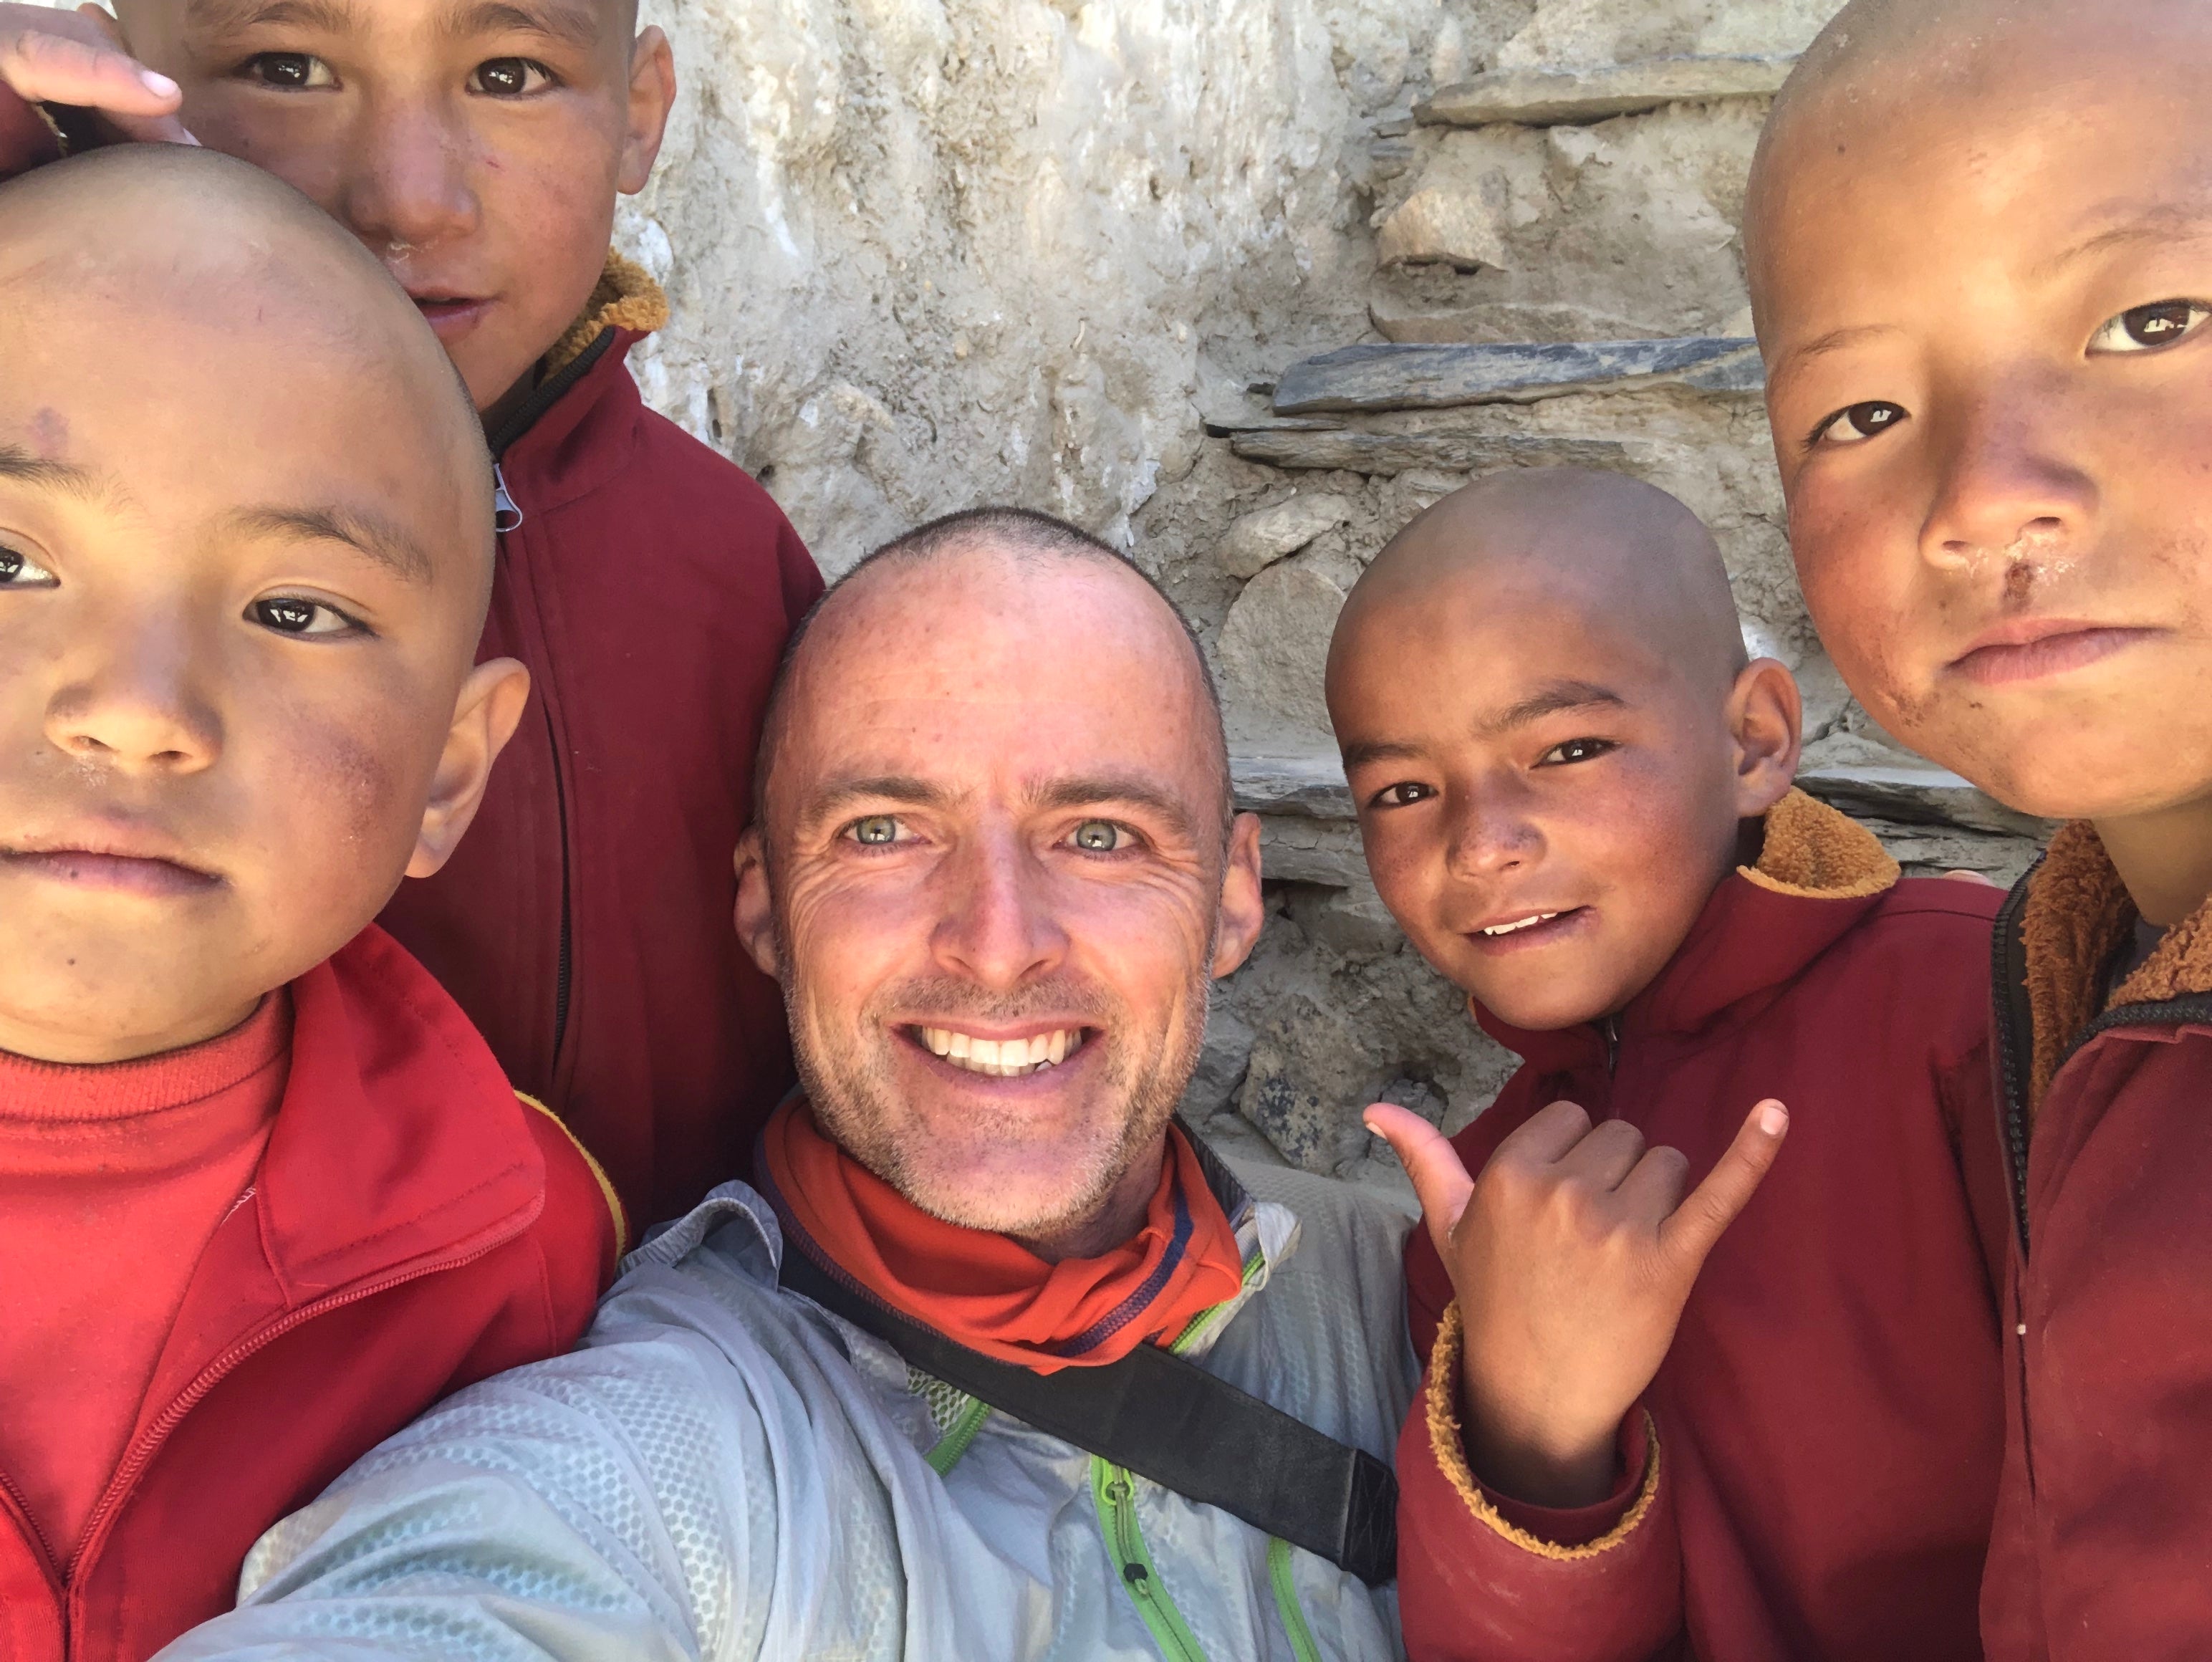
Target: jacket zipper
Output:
{"points": [[49, 1560], [1610, 1028], [142, 1452], [2014, 1019], [1113, 1491], [507, 517]]}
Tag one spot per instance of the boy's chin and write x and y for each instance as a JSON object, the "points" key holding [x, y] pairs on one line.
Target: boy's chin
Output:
{"points": [[2047, 774]]}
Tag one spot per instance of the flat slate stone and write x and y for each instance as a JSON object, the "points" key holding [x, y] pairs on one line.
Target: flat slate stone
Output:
{"points": [[1915, 796], [1359, 451], [1434, 376], [1309, 785], [1560, 95]]}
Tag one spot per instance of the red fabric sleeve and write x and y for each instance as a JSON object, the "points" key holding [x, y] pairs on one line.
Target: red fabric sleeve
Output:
{"points": [[1477, 1583]]}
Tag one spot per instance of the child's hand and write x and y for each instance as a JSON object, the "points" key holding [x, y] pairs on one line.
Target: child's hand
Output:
{"points": [[57, 58], [1572, 1256]]}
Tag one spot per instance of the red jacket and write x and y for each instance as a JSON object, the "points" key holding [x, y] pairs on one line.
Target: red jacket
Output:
{"points": [[2103, 1543], [413, 1227], [585, 921], [1828, 1421]]}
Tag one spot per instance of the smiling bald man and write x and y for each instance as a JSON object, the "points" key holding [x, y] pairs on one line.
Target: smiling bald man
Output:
{"points": [[994, 870]]}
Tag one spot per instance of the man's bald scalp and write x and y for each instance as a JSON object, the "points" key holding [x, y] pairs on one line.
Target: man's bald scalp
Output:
{"points": [[1611, 540], [1023, 534], [171, 221]]}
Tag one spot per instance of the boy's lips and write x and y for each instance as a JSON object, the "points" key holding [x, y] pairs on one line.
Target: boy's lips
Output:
{"points": [[451, 316], [2030, 648], [1519, 931], [114, 869]]}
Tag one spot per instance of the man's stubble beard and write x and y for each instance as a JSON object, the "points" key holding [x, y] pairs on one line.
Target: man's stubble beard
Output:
{"points": [[850, 1088]]}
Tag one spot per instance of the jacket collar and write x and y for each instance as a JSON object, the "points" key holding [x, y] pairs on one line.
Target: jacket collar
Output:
{"points": [[575, 431], [2076, 917], [398, 1148], [1818, 873]]}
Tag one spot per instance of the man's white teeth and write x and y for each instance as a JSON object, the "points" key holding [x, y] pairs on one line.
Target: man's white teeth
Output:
{"points": [[1528, 922], [1003, 1058]]}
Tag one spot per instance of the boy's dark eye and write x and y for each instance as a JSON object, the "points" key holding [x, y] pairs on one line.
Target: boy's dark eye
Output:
{"points": [[290, 615], [1857, 424], [510, 77], [292, 71], [1403, 795], [2147, 328], [19, 570], [1574, 749]]}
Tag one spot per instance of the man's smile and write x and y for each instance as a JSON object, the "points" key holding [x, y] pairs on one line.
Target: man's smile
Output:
{"points": [[1008, 1057]]}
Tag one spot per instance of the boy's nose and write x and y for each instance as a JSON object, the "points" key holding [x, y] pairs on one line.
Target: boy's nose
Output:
{"points": [[135, 717], [998, 925], [410, 186], [2005, 495], [1486, 841]]}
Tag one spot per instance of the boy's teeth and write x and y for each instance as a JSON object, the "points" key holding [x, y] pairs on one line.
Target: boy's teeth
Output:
{"points": [[1530, 922], [1003, 1058]]}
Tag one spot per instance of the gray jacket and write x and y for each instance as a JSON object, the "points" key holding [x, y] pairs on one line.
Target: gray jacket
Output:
{"points": [[725, 1470]]}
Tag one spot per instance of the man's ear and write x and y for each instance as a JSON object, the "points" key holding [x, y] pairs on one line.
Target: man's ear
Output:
{"points": [[756, 913], [1243, 908], [1766, 722], [652, 96], [484, 718]]}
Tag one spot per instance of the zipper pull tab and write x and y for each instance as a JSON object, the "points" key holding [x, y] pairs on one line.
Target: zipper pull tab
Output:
{"points": [[506, 513]]}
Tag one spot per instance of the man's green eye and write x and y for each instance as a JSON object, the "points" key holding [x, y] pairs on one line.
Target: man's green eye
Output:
{"points": [[876, 830], [1098, 836]]}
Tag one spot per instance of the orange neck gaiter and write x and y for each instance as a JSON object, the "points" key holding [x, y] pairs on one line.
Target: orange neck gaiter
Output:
{"points": [[989, 1291]]}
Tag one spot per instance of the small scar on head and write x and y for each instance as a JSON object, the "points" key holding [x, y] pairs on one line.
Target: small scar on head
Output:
{"points": [[50, 431]]}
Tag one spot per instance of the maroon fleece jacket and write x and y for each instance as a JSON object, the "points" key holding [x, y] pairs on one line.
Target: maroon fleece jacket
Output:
{"points": [[2103, 1545], [412, 1227], [585, 921], [1828, 1418]]}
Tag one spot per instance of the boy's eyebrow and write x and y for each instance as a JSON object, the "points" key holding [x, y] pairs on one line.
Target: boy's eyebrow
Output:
{"points": [[1834, 341], [379, 539], [232, 17], [1361, 751], [2158, 225], [579, 25], [20, 465], [1558, 696]]}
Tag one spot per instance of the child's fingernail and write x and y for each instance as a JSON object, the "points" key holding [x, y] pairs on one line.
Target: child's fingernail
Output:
{"points": [[157, 83], [1773, 1119]]}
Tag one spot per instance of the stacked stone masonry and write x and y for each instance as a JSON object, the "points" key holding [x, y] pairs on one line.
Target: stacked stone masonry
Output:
{"points": [[1241, 285]]}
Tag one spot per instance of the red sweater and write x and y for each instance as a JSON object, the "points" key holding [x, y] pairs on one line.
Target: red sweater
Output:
{"points": [[411, 1227], [2103, 1545], [1828, 1415], [584, 924]]}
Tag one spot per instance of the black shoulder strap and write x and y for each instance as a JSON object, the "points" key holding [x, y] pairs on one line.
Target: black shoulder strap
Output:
{"points": [[1166, 1418]]}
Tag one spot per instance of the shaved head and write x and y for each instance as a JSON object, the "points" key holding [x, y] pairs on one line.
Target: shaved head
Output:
{"points": [[1622, 548], [1955, 72], [158, 232]]}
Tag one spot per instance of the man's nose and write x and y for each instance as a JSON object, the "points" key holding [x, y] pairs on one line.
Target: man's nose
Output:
{"points": [[137, 709], [2006, 492], [409, 183], [999, 927]]}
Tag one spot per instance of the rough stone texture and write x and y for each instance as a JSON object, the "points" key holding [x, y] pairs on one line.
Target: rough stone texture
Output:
{"points": [[1552, 97], [928, 254]]}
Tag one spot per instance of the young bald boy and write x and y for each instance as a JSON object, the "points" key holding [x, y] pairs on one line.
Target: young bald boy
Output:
{"points": [[1762, 1420], [647, 583], [264, 1194], [1980, 242]]}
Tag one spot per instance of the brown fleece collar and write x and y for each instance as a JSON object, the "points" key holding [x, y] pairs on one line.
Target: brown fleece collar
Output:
{"points": [[626, 298], [1819, 853], [2078, 916]]}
